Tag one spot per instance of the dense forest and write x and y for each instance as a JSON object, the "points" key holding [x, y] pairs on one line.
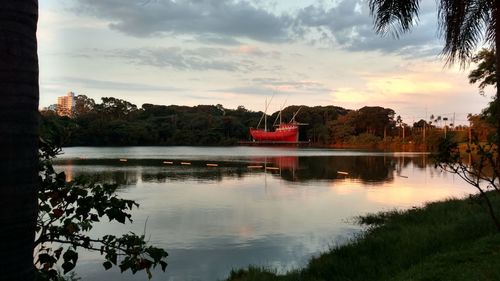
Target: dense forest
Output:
{"points": [[116, 122]]}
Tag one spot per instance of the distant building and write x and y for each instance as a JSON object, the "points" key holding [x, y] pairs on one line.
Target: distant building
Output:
{"points": [[66, 105]]}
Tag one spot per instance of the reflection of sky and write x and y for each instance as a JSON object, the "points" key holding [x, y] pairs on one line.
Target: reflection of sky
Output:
{"points": [[204, 153], [211, 226]]}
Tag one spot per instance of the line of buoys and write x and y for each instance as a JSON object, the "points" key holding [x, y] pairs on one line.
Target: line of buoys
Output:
{"points": [[272, 168], [217, 165]]}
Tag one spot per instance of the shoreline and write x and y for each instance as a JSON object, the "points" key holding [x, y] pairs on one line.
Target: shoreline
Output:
{"points": [[378, 146], [453, 239]]}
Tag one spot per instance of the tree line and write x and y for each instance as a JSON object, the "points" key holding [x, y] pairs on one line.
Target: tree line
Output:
{"points": [[117, 122]]}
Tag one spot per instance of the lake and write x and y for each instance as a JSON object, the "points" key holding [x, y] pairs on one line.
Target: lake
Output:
{"points": [[266, 206]]}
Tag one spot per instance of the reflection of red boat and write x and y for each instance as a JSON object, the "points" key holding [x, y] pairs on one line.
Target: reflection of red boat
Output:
{"points": [[281, 162], [283, 133], [286, 162]]}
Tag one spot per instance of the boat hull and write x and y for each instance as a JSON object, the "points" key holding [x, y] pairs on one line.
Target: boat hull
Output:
{"points": [[288, 133]]}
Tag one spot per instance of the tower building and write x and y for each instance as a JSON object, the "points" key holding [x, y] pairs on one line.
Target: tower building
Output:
{"points": [[66, 104]]}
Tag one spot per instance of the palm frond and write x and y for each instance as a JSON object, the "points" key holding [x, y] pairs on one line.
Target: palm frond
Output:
{"points": [[397, 16], [463, 24]]}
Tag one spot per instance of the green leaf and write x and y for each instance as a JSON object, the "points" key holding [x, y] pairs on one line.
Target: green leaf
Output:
{"points": [[67, 266], [94, 217], [107, 265], [58, 252], [163, 265], [46, 258], [70, 255]]}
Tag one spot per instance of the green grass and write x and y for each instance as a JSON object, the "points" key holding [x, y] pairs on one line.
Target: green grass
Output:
{"points": [[448, 240]]}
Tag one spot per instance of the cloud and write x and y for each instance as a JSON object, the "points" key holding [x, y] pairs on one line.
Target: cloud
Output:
{"points": [[235, 59], [178, 58], [347, 24], [292, 86], [350, 25], [207, 18], [272, 86], [216, 39], [112, 85], [250, 90]]}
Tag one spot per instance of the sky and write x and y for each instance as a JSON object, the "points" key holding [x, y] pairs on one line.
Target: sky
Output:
{"points": [[242, 52]]}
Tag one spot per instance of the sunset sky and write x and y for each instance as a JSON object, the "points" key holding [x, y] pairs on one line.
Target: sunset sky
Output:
{"points": [[240, 52]]}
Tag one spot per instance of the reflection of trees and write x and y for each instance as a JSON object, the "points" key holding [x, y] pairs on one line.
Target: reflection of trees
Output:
{"points": [[120, 177], [195, 173], [368, 169], [364, 168]]}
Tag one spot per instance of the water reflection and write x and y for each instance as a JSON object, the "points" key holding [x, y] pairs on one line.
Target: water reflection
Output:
{"points": [[375, 170], [288, 206]]}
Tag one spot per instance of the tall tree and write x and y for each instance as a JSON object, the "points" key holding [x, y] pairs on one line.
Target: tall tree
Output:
{"points": [[464, 25], [485, 71], [18, 137], [485, 75]]}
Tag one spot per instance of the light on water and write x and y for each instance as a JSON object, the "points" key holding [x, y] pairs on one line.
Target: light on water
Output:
{"points": [[235, 212]]}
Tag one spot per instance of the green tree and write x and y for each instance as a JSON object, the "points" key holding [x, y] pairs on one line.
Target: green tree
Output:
{"points": [[83, 105], [343, 128], [67, 213], [374, 120], [485, 75], [115, 108], [485, 72], [462, 24], [18, 137], [420, 124]]}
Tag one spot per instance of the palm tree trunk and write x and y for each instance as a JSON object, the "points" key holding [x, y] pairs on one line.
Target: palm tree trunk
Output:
{"points": [[496, 14], [18, 137]]}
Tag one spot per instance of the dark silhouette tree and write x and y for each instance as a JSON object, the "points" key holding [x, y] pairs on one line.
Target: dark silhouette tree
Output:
{"points": [[83, 105], [464, 25], [485, 73], [68, 210], [18, 137]]}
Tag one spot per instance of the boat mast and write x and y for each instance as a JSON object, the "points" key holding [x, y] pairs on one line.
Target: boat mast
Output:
{"points": [[279, 114], [265, 117], [297, 112], [265, 112]]}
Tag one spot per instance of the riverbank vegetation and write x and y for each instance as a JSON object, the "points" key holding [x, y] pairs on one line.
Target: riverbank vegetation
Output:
{"points": [[68, 211], [116, 122], [448, 240]]}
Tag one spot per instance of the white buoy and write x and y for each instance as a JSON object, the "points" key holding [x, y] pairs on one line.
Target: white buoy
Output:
{"points": [[272, 168]]}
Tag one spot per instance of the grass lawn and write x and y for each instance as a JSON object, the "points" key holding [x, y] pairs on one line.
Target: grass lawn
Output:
{"points": [[448, 240]]}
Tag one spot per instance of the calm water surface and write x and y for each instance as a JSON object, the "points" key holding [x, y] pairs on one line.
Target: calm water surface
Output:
{"points": [[298, 204]]}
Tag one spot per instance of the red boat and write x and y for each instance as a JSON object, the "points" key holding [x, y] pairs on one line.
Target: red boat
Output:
{"points": [[283, 133]]}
